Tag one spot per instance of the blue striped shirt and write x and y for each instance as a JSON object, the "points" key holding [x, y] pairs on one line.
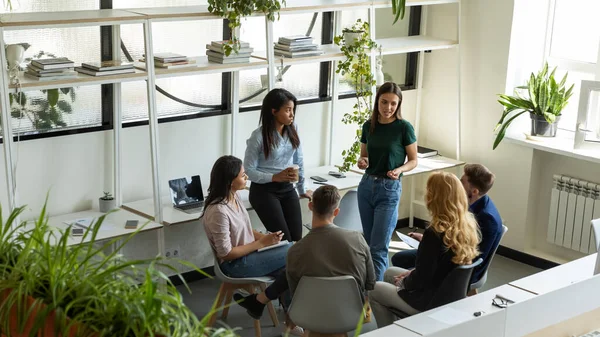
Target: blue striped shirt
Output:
{"points": [[260, 170]]}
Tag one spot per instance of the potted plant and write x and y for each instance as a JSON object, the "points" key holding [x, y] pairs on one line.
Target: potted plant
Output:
{"points": [[49, 288], [234, 10], [357, 65], [106, 203], [544, 100]]}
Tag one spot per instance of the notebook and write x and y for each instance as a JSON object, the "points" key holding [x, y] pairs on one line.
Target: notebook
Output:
{"points": [[281, 243], [409, 241]]}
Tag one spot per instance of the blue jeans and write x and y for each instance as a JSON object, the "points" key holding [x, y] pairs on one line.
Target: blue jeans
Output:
{"points": [[267, 263], [378, 200]]}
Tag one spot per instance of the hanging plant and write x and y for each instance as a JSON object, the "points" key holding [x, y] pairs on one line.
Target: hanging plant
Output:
{"points": [[398, 9], [234, 10], [357, 47]]}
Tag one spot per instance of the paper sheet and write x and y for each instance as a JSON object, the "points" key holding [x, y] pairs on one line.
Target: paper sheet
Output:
{"points": [[281, 243], [400, 245], [410, 241], [451, 316]]}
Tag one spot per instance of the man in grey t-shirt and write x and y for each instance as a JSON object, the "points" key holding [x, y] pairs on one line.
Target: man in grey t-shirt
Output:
{"points": [[329, 250]]}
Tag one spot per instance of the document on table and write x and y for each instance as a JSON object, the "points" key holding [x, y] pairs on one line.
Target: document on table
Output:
{"points": [[409, 241], [450, 316]]}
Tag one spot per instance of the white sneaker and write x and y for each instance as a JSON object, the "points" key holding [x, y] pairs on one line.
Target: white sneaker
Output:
{"points": [[295, 331]]}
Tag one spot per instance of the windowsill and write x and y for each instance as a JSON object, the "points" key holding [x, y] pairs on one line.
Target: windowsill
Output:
{"points": [[562, 145]]}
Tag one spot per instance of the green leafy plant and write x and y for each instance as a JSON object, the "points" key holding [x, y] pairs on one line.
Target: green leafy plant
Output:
{"points": [[47, 284], [357, 66], [43, 111], [398, 9], [235, 10], [107, 196], [545, 97]]}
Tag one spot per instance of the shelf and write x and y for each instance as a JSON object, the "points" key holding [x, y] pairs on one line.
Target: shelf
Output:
{"points": [[175, 13], [300, 6], [331, 52], [388, 3], [562, 145], [205, 67], [66, 18], [409, 44], [28, 83]]}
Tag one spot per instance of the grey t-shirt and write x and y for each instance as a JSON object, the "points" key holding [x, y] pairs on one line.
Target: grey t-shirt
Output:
{"points": [[331, 251]]}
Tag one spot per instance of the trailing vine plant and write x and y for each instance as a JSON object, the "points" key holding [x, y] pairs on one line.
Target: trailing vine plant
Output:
{"points": [[234, 10], [358, 66]]}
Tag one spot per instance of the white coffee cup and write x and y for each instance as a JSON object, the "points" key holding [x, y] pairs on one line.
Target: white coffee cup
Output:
{"points": [[296, 169]]}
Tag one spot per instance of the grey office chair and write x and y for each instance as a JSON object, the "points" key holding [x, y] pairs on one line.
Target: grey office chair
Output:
{"points": [[483, 279], [453, 288], [229, 285], [327, 305], [596, 229], [349, 218]]}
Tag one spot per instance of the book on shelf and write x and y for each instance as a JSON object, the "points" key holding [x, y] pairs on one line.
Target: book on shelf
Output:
{"points": [[107, 65], [32, 68], [220, 44], [284, 47], [169, 57], [300, 43], [220, 50], [424, 152], [55, 63], [295, 39], [295, 54], [228, 60], [214, 54], [104, 73], [188, 62], [63, 72]]}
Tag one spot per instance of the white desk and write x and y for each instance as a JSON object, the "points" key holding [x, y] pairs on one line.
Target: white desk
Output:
{"points": [[171, 215], [424, 324], [558, 277], [426, 165], [351, 181], [112, 227], [391, 331]]}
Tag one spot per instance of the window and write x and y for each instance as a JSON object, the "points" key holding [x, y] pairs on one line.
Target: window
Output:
{"points": [[573, 46], [77, 107], [301, 80], [587, 134]]}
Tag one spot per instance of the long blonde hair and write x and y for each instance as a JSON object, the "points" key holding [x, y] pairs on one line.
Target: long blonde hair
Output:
{"points": [[447, 202]]}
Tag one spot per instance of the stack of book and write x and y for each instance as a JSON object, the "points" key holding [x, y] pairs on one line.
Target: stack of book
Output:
{"points": [[297, 46], [216, 53], [105, 68], [168, 61], [51, 69]]}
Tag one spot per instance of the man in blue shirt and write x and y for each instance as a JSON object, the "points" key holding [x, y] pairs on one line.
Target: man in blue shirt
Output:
{"points": [[477, 181]]}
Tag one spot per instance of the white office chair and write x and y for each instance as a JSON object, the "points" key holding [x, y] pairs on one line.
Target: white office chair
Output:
{"points": [[327, 305], [229, 285], [349, 218], [596, 229], [483, 279]]}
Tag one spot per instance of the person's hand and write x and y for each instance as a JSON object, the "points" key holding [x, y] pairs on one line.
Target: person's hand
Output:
{"points": [[363, 163], [308, 194], [416, 236], [270, 239], [399, 278], [394, 174], [285, 176]]}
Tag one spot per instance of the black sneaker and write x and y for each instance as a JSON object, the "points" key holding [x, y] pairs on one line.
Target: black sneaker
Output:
{"points": [[253, 307]]}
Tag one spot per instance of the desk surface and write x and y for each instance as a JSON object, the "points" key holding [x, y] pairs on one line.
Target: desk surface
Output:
{"points": [[424, 324], [391, 331], [558, 277], [112, 227], [426, 165], [351, 181]]}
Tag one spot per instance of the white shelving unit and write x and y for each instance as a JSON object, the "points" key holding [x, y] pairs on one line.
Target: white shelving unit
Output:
{"points": [[261, 60]]}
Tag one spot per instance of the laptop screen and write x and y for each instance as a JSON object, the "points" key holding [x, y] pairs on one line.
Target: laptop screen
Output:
{"points": [[186, 190]]}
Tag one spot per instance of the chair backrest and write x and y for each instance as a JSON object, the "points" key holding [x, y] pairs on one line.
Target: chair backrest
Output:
{"points": [[455, 285], [349, 218], [217, 268], [596, 229], [327, 304], [493, 253]]}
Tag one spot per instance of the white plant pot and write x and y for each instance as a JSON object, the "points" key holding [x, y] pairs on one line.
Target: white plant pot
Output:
{"points": [[350, 38], [106, 205]]}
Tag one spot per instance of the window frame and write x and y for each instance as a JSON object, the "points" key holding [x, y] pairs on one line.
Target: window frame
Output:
{"points": [[324, 92]]}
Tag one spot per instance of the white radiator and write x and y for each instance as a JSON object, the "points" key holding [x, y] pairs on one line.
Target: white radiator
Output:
{"points": [[573, 205]]}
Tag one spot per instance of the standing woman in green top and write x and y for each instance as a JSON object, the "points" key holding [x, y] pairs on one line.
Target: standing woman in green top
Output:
{"points": [[388, 149]]}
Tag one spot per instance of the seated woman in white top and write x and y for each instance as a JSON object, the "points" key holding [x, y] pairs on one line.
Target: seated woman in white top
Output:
{"points": [[231, 236]]}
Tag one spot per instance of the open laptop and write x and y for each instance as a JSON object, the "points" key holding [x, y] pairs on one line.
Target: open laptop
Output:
{"points": [[186, 194]]}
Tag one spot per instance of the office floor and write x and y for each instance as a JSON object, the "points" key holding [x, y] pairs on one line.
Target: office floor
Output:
{"points": [[502, 271]]}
